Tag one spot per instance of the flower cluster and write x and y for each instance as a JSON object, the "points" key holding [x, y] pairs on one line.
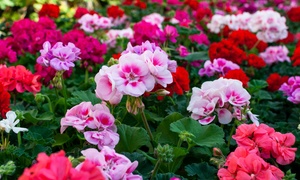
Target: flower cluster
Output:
{"points": [[19, 79], [244, 164], [266, 142], [6, 53], [292, 89], [10, 123], [4, 101], [59, 57], [294, 14], [220, 66], [114, 34], [228, 50], [274, 54], [112, 164], [225, 97], [58, 166], [50, 10], [138, 70], [268, 24], [296, 56], [99, 121], [29, 36], [255, 61], [238, 74], [90, 23], [91, 50], [275, 81]]}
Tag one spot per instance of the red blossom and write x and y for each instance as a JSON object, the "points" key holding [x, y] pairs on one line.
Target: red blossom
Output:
{"points": [[256, 61], [242, 38], [238, 74], [294, 14], [50, 10], [193, 4], [289, 39], [296, 57], [4, 101], [275, 81], [228, 50], [140, 4], [114, 11]]}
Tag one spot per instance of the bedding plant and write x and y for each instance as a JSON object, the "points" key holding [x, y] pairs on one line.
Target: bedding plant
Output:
{"points": [[149, 89]]}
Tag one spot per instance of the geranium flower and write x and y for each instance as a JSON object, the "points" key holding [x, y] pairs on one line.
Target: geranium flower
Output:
{"points": [[114, 11], [4, 101], [10, 123], [275, 81], [238, 74], [50, 10]]}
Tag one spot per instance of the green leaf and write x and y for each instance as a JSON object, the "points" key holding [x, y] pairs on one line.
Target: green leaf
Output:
{"points": [[60, 139], [131, 138], [256, 85], [80, 96], [167, 136], [202, 55], [179, 155], [202, 170], [31, 116], [209, 135], [262, 94]]}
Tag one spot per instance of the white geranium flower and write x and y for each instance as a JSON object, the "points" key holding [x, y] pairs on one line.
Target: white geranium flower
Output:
{"points": [[10, 123]]}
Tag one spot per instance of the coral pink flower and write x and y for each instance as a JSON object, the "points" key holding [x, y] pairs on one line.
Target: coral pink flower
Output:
{"points": [[281, 147], [133, 76]]}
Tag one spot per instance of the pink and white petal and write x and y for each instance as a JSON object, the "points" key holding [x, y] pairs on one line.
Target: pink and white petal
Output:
{"points": [[206, 120], [224, 115]]}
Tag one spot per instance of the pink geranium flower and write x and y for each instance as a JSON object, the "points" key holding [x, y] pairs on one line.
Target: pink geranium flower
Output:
{"points": [[133, 76]]}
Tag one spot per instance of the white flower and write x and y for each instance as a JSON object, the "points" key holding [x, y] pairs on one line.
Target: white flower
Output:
{"points": [[10, 123]]}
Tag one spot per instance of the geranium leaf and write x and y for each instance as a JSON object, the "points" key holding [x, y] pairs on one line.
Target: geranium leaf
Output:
{"points": [[60, 139], [131, 138], [255, 85], [80, 96], [167, 136], [209, 135], [202, 170]]}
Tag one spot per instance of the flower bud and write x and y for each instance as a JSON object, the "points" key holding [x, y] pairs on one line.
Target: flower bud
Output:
{"points": [[217, 152], [112, 61], [134, 105], [186, 136], [165, 153], [162, 92], [8, 169], [39, 98]]}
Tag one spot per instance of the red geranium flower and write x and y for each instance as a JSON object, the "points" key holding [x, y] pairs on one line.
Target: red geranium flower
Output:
{"points": [[228, 50], [50, 10], [296, 57], [275, 81], [193, 4], [238, 74], [114, 12], [140, 4], [294, 14], [256, 61], [4, 101], [243, 38], [289, 39]]}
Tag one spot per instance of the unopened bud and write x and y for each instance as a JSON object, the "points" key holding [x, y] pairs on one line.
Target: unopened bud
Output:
{"points": [[217, 152], [112, 61], [39, 98], [165, 153], [134, 105], [162, 92], [186, 136], [8, 169]]}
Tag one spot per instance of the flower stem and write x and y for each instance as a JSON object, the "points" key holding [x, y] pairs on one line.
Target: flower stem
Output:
{"points": [[64, 93], [147, 125], [230, 135], [255, 45], [155, 169], [86, 78], [49, 102]]}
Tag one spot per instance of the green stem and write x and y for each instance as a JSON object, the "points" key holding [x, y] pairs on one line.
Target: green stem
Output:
{"points": [[230, 135], [147, 125], [155, 169], [64, 93], [49, 102], [254, 46], [2, 138], [171, 99], [179, 142], [86, 78]]}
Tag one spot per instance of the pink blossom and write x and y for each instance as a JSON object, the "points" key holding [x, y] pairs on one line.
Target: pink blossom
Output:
{"points": [[200, 39], [6, 53], [274, 54], [183, 51], [102, 138], [154, 19], [220, 96], [59, 57], [79, 117], [158, 65], [219, 65], [114, 34], [145, 31], [106, 86], [292, 89], [113, 165], [170, 33], [89, 22], [133, 76], [182, 17]]}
